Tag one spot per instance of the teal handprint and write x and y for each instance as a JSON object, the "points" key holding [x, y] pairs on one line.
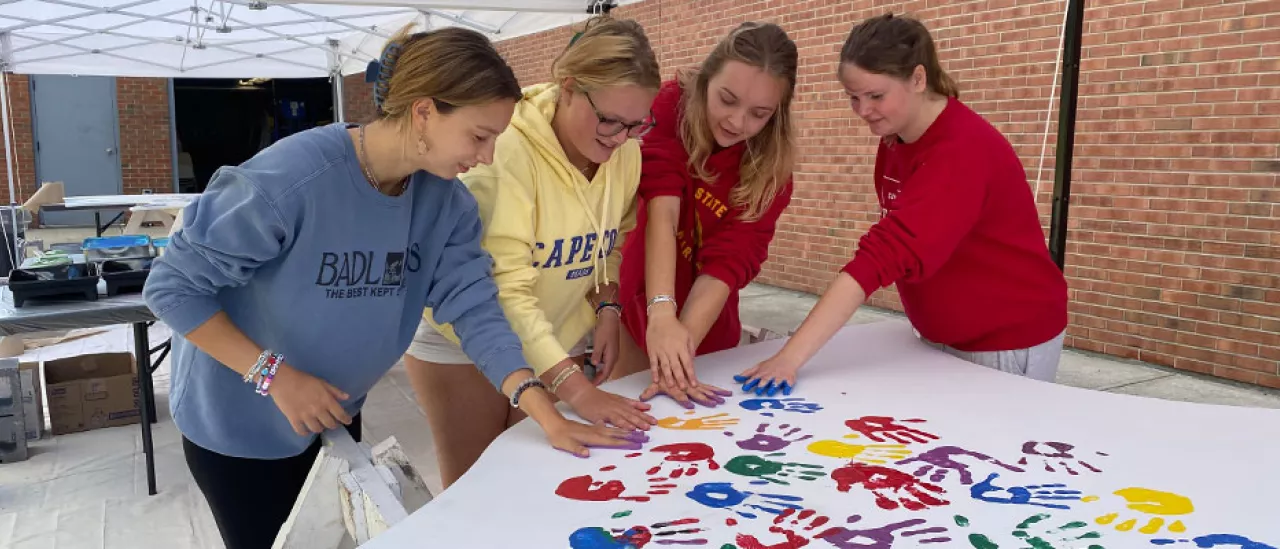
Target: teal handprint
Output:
{"points": [[772, 471]]}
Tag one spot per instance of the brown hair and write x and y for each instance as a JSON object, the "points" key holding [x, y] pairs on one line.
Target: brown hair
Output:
{"points": [[896, 45], [455, 67], [608, 52], [770, 155]]}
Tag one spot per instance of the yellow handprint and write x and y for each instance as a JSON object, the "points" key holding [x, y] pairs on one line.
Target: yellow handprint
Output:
{"points": [[709, 423], [876, 454], [1151, 502]]}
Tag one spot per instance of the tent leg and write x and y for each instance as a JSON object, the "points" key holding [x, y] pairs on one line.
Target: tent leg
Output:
{"points": [[339, 108]]}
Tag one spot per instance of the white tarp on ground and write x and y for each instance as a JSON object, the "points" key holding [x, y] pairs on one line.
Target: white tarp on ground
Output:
{"points": [[242, 38]]}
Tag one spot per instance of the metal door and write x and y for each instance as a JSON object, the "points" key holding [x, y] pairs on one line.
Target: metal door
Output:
{"points": [[76, 131]]}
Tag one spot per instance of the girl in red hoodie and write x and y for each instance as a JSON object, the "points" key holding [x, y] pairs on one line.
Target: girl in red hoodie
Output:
{"points": [[716, 175], [959, 232]]}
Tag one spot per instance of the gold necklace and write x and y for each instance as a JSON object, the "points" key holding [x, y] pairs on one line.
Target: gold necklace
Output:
{"points": [[368, 169]]}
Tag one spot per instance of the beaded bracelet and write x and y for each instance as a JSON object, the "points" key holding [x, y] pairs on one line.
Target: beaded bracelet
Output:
{"points": [[524, 385], [252, 374], [608, 305], [269, 374]]}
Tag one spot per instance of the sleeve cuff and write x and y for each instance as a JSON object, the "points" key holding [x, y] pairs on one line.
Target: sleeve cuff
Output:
{"points": [[189, 314], [499, 363], [544, 353], [864, 273], [724, 274]]}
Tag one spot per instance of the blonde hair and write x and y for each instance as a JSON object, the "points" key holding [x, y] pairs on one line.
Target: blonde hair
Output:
{"points": [[608, 52], [452, 66], [770, 155]]}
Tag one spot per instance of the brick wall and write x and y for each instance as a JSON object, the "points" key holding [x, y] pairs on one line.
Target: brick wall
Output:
{"points": [[357, 99], [1174, 248], [146, 158], [24, 167]]}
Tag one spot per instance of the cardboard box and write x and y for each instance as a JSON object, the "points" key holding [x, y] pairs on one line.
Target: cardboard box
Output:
{"points": [[91, 391], [32, 399]]}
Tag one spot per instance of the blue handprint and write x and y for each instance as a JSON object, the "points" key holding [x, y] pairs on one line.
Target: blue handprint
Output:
{"points": [[674, 532], [722, 495], [798, 405], [1218, 540], [1035, 494]]}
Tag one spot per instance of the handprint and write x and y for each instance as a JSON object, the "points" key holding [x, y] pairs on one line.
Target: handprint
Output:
{"points": [[876, 454], [887, 484], [595, 537], [765, 442], [772, 471], [797, 405], [691, 453], [585, 488], [942, 460], [1028, 531], [708, 423], [876, 427], [1051, 452], [792, 539], [1037, 494], [1217, 540], [1151, 502], [722, 495], [882, 537]]}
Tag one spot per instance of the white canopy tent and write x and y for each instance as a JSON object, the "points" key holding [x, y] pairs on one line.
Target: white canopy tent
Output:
{"points": [[239, 38]]}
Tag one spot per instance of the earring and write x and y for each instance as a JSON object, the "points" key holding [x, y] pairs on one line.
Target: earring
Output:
{"points": [[422, 144]]}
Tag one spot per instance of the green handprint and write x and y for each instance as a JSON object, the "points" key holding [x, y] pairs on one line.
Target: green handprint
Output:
{"points": [[1032, 532], [772, 471]]}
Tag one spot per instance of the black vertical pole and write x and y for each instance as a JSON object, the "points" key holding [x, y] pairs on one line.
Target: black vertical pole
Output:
{"points": [[1066, 130]]}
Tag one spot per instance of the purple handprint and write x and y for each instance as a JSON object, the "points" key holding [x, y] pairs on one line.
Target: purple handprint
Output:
{"points": [[763, 441], [882, 537], [1050, 452], [942, 460]]}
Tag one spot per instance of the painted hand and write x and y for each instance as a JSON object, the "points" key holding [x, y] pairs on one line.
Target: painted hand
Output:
{"points": [[722, 495], [880, 428], [770, 377], [1043, 495], [1036, 532], [585, 488], [709, 423], [683, 460], [786, 525], [772, 439], [683, 531], [706, 395], [875, 454], [941, 460], [1149, 502], [797, 405], [772, 471], [882, 537], [600, 407], [605, 345], [671, 351], [891, 488], [1217, 540], [1055, 452], [575, 438]]}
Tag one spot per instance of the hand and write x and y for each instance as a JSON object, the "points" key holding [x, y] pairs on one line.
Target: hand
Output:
{"points": [[310, 404], [706, 395], [670, 351], [600, 407], [605, 342], [574, 437], [769, 377]]}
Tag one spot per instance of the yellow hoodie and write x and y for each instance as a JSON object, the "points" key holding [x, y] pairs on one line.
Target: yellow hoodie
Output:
{"points": [[553, 235]]}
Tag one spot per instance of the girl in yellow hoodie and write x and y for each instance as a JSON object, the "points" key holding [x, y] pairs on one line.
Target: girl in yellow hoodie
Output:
{"points": [[556, 203]]}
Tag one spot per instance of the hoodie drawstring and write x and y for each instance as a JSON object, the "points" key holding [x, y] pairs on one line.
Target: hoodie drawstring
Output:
{"points": [[598, 256]]}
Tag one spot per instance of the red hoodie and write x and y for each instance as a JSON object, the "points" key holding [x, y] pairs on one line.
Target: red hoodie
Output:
{"points": [[960, 235], [711, 240]]}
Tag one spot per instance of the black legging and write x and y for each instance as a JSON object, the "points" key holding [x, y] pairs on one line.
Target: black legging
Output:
{"points": [[251, 498]]}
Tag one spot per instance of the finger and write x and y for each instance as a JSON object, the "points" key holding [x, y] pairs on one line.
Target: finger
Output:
{"points": [[338, 413], [313, 426], [667, 375], [326, 419], [636, 404], [773, 389], [574, 449], [336, 392], [717, 390], [622, 420], [740, 378], [751, 384], [598, 439], [703, 398], [681, 397], [300, 427], [786, 387], [764, 386], [653, 391]]}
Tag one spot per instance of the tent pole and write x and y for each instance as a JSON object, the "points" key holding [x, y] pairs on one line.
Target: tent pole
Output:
{"points": [[1066, 131], [335, 74]]}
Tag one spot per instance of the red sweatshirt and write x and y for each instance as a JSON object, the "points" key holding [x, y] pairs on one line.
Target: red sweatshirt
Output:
{"points": [[960, 235], [711, 240]]}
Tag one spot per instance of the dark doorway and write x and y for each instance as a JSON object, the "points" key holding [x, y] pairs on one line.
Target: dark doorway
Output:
{"points": [[223, 122]]}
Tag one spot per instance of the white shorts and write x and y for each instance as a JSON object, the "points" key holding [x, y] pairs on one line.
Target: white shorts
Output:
{"points": [[430, 345]]}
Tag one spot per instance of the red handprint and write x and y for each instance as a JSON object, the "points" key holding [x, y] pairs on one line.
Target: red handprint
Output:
{"points": [[873, 427], [793, 540], [887, 484], [585, 488], [692, 453]]}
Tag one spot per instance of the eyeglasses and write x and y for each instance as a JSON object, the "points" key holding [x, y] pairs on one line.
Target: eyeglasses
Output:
{"points": [[608, 127]]}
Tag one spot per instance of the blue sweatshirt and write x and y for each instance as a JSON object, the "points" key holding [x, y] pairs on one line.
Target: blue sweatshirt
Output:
{"points": [[310, 261]]}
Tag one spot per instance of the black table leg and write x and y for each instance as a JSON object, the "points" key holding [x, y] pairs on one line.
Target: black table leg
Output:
{"points": [[97, 223], [146, 407]]}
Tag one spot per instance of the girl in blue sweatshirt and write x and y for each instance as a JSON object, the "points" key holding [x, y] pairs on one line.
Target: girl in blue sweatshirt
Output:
{"points": [[301, 275]]}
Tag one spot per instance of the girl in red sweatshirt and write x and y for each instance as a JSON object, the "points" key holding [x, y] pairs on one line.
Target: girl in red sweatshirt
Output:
{"points": [[959, 232], [716, 175]]}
